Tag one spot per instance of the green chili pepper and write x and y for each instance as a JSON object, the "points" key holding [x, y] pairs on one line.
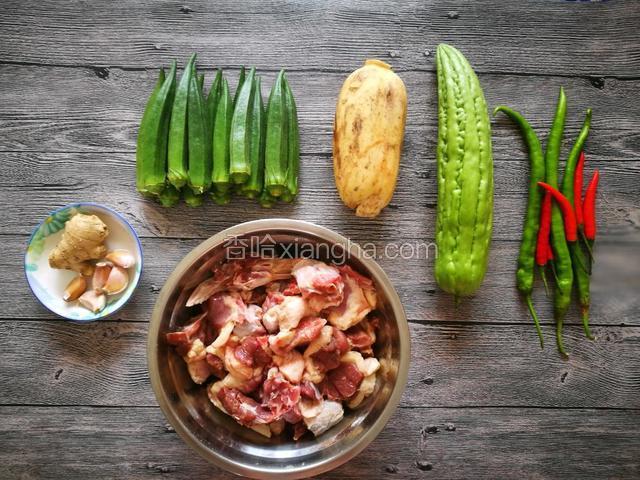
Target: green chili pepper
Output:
{"points": [[578, 257], [562, 257], [527, 256]]}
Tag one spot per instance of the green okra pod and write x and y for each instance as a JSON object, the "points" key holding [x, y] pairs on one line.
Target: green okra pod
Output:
{"points": [[170, 196], [151, 147], [293, 147], [276, 143], [253, 187], [200, 163], [240, 134], [241, 77], [178, 147], [212, 99], [220, 174]]}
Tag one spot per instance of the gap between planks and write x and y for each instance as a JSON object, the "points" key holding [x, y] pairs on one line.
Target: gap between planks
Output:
{"points": [[621, 78]]}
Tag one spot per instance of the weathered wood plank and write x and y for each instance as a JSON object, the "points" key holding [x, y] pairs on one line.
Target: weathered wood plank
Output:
{"points": [[487, 443], [614, 284], [74, 109], [109, 178], [56, 363], [537, 37]]}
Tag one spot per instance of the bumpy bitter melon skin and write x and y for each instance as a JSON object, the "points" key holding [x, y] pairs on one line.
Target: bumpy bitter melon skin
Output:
{"points": [[465, 176]]}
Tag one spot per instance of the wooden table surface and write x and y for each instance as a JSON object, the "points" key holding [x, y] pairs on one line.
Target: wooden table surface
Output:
{"points": [[483, 401]]}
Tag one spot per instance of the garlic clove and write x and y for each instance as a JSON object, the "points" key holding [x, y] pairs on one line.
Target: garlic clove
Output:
{"points": [[93, 300], [101, 274], [76, 287], [122, 258], [117, 281]]}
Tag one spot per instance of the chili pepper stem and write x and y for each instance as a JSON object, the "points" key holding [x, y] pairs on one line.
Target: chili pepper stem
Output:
{"points": [[532, 310], [560, 343], [582, 265], [585, 322], [588, 245], [544, 280], [553, 270]]}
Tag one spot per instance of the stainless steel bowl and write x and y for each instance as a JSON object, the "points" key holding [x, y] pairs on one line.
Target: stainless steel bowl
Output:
{"points": [[216, 436]]}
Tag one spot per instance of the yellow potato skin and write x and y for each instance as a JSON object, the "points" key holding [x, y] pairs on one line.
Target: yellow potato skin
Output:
{"points": [[367, 137]]}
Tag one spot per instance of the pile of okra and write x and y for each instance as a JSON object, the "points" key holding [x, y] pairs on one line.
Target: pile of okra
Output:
{"points": [[191, 145]]}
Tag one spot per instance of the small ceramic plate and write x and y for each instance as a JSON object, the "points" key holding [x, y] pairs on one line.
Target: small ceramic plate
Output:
{"points": [[48, 284]]}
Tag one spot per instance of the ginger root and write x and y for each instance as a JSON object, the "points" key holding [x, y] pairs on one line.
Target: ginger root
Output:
{"points": [[82, 240]]}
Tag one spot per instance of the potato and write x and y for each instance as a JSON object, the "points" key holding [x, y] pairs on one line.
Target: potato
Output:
{"points": [[367, 137]]}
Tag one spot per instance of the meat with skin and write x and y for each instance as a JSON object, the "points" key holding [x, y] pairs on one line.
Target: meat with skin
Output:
{"points": [[253, 351], [362, 336], [309, 391], [321, 284], [292, 288], [358, 301], [234, 366], [260, 271], [307, 330], [286, 314], [216, 365], [328, 357], [342, 382], [197, 329], [199, 369], [279, 395], [243, 409], [251, 323], [221, 279], [330, 414], [291, 365], [226, 307]]}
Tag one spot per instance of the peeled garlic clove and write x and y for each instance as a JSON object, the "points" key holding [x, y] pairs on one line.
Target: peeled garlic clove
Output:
{"points": [[76, 287], [93, 300], [122, 258], [117, 281], [101, 274]]}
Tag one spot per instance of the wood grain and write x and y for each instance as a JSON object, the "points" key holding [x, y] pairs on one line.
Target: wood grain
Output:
{"points": [[462, 365], [479, 443], [90, 112], [61, 178], [483, 401], [614, 284], [538, 37]]}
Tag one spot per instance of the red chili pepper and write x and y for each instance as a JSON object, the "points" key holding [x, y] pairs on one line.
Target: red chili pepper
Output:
{"points": [[577, 190], [542, 245], [570, 227], [589, 207], [549, 252]]}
